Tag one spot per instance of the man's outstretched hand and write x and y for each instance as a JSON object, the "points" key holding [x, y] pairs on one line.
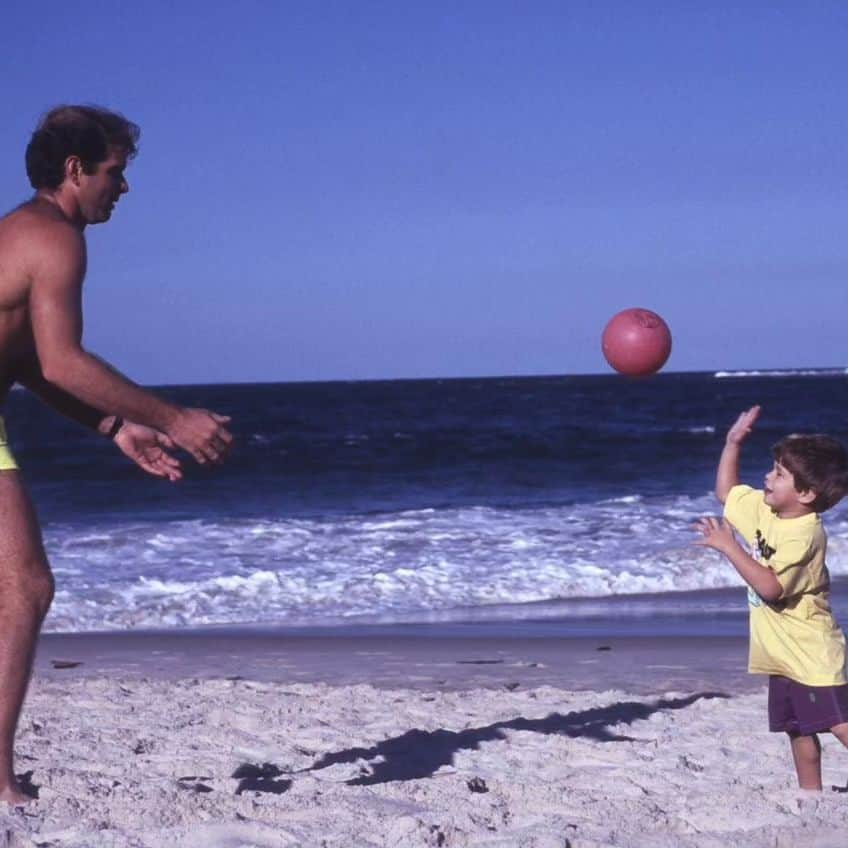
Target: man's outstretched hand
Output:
{"points": [[148, 449], [202, 434]]}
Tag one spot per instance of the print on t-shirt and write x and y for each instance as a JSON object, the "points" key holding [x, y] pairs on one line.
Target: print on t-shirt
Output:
{"points": [[764, 550], [761, 551]]}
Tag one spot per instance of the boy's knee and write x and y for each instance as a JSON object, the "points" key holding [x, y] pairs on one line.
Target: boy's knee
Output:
{"points": [[805, 746]]}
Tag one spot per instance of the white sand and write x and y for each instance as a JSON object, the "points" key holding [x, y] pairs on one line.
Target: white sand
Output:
{"points": [[150, 763]]}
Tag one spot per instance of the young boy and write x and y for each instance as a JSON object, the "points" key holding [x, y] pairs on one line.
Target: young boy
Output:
{"points": [[794, 637]]}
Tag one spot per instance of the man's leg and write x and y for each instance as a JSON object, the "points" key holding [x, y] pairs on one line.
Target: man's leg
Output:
{"points": [[26, 590], [806, 751]]}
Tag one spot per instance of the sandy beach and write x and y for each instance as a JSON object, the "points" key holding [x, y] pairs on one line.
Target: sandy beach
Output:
{"points": [[230, 739]]}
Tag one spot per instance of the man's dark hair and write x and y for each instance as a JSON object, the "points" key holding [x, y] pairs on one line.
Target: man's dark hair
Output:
{"points": [[89, 132], [818, 464]]}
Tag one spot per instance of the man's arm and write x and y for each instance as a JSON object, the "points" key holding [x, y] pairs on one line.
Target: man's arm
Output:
{"points": [[718, 534], [56, 313], [30, 376], [727, 475], [146, 447]]}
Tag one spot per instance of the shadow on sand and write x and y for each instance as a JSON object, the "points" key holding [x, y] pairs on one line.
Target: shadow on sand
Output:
{"points": [[419, 753]]}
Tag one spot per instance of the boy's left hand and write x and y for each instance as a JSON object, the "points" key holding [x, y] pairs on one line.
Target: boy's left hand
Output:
{"points": [[717, 534]]}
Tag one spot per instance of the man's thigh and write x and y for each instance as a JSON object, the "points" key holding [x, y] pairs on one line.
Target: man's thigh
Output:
{"points": [[21, 547]]}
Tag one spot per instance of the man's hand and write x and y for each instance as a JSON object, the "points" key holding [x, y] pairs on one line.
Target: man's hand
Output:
{"points": [[202, 434], [743, 425], [717, 534], [148, 449]]}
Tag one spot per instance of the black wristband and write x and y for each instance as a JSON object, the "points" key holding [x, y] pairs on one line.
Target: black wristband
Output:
{"points": [[115, 428]]}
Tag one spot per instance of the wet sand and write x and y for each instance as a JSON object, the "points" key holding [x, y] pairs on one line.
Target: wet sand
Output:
{"points": [[386, 658]]}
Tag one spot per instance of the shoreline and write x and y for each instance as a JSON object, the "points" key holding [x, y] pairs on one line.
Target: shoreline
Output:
{"points": [[716, 612], [642, 644], [390, 658]]}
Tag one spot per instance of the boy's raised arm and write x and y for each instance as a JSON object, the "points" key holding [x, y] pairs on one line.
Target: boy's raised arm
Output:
{"points": [[727, 475]]}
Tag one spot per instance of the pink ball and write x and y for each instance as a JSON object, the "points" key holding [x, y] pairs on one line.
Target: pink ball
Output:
{"points": [[636, 342]]}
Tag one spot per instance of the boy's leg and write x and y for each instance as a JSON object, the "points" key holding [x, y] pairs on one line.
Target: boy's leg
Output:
{"points": [[840, 709], [840, 731], [806, 751], [26, 590], [784, 717]]}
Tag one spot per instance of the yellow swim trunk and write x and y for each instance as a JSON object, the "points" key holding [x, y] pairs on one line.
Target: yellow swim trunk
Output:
{"points": [[7, 461]]}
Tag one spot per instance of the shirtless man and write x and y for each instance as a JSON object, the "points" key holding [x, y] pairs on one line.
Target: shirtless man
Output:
{"points": [[75, 162]]}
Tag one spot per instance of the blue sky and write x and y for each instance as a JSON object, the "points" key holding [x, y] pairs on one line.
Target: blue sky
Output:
{"points": [[376, 190]]}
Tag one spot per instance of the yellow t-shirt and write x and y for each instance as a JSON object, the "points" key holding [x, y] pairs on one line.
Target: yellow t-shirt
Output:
{"points": [[797, 635]]}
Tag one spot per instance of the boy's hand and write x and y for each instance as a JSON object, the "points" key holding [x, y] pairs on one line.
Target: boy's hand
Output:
{"points": [[743, 425], [717, 533]]}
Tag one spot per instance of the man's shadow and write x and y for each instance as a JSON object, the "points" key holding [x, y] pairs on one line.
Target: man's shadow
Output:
{"points": [[420, 753]]}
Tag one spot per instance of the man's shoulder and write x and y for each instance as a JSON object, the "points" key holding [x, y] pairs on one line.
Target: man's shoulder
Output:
{"points": [[37, 214], [32, 229]]}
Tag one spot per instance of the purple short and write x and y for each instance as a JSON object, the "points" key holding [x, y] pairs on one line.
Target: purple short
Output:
{"points": [[796, 708]]}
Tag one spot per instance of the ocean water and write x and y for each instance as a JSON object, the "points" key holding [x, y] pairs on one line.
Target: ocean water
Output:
{"points": [[503, 500]]}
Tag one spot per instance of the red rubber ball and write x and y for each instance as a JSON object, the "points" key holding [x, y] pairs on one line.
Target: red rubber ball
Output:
{"points": [[636, 342]]}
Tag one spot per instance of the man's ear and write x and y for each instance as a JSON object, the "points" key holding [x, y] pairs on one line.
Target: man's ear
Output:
{"points": [[807, 497], [73, 169]]}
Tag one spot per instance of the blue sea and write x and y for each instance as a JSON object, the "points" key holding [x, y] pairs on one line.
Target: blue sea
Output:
{"points": [[512, 501]]}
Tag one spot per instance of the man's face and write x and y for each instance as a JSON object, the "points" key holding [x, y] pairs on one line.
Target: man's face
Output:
{"points": [[779, 491], [99, 192]]}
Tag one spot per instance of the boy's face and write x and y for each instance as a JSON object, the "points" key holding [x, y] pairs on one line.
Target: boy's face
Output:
{"points": [[780, 494]]}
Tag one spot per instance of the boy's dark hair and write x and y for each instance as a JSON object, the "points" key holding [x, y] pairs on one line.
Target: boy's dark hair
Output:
{"points": [[818, 464], [89, 132]]}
